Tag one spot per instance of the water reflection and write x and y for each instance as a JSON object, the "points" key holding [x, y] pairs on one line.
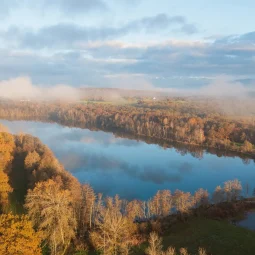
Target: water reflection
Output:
{"points": [[97, 137], [132, 168], [102, 164]]}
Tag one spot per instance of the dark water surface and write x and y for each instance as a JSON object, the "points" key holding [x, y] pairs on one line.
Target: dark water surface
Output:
{"points": [[249, 221], [131, 168]]}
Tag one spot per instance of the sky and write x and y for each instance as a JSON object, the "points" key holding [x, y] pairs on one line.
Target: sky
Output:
{"points": [[136, 44]]}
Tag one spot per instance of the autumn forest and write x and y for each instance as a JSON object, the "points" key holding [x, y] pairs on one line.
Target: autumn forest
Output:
{"points": [[46, 210], [185, 121], [127, 127]]}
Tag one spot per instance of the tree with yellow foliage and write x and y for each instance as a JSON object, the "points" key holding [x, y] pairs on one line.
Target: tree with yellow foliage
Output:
{"points": [[17, 236], [5, 189], [6, 150], [32, 160], [7, 146]]}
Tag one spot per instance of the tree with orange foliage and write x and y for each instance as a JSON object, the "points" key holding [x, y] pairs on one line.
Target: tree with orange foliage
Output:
{"points": [[31, 160], [17, 236], [6, 149], [5, 189], [247, 146]]}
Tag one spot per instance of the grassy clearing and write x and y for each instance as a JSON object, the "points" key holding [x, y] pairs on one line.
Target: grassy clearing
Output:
{"points": [[217, 237]]}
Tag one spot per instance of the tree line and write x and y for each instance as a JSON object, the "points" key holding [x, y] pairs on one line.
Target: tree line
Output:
{"points": [[209, 130]]}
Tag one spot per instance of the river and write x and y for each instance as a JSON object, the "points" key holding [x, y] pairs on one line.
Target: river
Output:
{"points": [[132, 168]]}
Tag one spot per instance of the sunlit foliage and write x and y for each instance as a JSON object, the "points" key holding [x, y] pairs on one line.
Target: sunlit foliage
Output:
{"points": [[17, 236], [113, 231], [169, 121], [50, 208]]}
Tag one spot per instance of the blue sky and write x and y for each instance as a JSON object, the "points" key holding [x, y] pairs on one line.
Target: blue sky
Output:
{"points": [[128, 43]]}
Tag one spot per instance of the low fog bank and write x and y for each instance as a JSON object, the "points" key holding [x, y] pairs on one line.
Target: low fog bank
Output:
{"points": [[120, 94], [222, 94], [219, 87], [21, 88], [228, 96]]}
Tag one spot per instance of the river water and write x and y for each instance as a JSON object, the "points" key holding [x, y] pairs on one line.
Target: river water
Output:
{"points": [[132, 168], [249, 221]]}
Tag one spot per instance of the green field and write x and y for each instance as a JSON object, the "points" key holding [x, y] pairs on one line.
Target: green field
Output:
{"points": [[217, 237], [113, 102]]}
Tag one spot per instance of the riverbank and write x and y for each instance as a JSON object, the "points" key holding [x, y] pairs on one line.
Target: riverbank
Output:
{"points": [[210, 227], [194, 149], [207, 131], [40, 169]]}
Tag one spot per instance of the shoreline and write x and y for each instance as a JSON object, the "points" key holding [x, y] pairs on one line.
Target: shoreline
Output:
{"points": [[165, 143]]}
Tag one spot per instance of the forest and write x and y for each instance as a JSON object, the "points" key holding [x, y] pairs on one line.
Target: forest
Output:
{"points": [[45, 210], [192, 122], [127, 127]]}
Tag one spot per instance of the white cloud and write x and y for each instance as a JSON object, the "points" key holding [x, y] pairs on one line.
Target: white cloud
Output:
{"points": [[22, 88]]}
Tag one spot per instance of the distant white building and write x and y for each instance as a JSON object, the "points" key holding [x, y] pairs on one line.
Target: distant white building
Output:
{"points": [[25, 100], [154, 98]]}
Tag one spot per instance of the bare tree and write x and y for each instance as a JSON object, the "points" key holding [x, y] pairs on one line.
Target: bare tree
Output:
{"points": [[183, 201], [88, 204], [166, 202], [156, 248], [201, 198], [155, 245], [201, 251], [232, 189], [218, 195], [154, 205], [134, 209], [50, 208], [161, 204], [184, 251], [113, 231], [169, 251]]}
